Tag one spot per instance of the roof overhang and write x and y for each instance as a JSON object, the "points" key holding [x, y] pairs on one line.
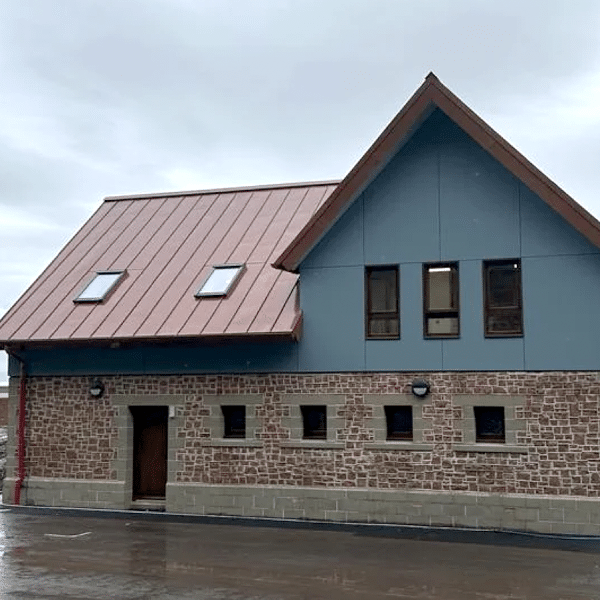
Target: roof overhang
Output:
{"points": [[16, 346], [431, 95]]}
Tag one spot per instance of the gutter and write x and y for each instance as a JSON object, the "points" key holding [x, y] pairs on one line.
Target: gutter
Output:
{"points": [[21, 424]]}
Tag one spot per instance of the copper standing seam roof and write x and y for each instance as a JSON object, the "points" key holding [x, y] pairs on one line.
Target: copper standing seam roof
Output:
{"points": [[168, 243], [432, 94]]}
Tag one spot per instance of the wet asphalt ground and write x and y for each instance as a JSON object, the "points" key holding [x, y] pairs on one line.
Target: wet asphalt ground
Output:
{"points": [[45, 556]]}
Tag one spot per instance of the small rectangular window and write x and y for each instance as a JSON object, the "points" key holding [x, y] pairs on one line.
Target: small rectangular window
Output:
{"points": [[503, 304], [234, 419], [100, 286], [220, 281], [489, 424], [399, 422], [314, 422], [382, 313], [440, 300]]}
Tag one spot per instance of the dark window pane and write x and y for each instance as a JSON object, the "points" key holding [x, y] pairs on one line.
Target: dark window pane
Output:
{"points": [[399, 422], [504, 321], [504, 290], [382, 315], [235, 421], [383, 291], [383, 326], [489, 423], [314, 421], [503, 307]]}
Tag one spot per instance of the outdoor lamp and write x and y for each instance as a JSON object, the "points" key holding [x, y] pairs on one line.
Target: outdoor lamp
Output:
{"points": [[420, 388], [97, 388]]}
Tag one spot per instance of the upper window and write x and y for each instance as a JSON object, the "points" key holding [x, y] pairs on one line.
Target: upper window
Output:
{"points": [[440, 299], [503, 299], [382, 314], [220, 281], [100, 286]]}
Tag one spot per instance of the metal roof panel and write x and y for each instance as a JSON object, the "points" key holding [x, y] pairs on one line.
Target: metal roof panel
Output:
{"points": [[167, 244]]}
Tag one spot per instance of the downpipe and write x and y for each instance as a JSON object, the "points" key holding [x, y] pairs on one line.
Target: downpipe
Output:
{"points": [[21, 432]]}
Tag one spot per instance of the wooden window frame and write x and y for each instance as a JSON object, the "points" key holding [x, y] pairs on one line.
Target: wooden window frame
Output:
{"points": [[313, 434], [370, 314], [454, 313], [489, 310], [483, 438], [397, 435], [229, 432]]}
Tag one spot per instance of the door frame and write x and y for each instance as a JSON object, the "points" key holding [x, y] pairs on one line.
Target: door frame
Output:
{"points": [[122, 464]]}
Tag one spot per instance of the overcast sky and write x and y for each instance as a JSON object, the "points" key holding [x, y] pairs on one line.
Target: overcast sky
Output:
{"points": [[105, 97]]}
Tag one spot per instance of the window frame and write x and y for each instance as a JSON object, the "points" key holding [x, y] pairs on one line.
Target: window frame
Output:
{"points": [[488, 309], [515, 423], [214, 421], [393, 436], [229, 432], [292, 419], [455, 292], [316, 434], [221, 293], [107, 292], [488, 438], [391, 314]]}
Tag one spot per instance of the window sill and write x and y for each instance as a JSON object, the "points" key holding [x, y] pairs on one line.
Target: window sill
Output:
{"points": [[235, 443], [490, 448], [399, 445], [312, 444], [503, 335]]}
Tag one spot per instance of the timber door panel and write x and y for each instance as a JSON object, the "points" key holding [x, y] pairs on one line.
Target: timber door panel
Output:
{"points": [[150, 426]]}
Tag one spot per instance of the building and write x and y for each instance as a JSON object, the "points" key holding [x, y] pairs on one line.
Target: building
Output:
{"points": [[417, 343]]}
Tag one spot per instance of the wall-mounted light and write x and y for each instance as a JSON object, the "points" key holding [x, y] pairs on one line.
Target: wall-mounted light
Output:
{"points": [[97, 388], [420, 388]]}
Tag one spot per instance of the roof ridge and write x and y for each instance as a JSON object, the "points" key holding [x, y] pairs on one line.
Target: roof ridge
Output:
{"points": [[249, 188]]}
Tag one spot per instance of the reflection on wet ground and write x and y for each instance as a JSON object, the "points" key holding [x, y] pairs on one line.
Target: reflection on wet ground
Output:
{"points": [[75, 558]]}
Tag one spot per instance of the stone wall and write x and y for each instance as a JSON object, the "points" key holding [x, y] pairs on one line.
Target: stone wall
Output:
{"points": [[552, 445], [3, 406]]}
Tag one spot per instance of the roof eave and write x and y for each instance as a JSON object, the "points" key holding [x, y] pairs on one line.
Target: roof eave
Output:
{"points": [[216, 339]]}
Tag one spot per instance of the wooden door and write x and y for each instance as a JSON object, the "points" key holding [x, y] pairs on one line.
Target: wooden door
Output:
{"points": [[149, 451]]}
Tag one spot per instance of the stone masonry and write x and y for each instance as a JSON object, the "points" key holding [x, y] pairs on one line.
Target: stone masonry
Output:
{"points": [[551, 454]]}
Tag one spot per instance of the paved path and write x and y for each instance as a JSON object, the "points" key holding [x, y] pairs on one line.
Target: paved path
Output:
{"points": [[75, 558]]}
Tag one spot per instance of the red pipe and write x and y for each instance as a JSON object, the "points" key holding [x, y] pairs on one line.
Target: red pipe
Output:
{"points": [[21, 436]]}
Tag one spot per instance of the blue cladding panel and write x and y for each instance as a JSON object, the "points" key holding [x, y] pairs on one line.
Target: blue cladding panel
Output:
{"points": [[401, 208], [234, 358], [562, 322], [444, 198], [333, 326], [343, 246], [479, 202], [545, 232]]}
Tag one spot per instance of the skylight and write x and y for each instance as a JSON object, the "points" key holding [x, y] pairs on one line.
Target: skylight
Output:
{"points": [[99, 287], [220, 281]]}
